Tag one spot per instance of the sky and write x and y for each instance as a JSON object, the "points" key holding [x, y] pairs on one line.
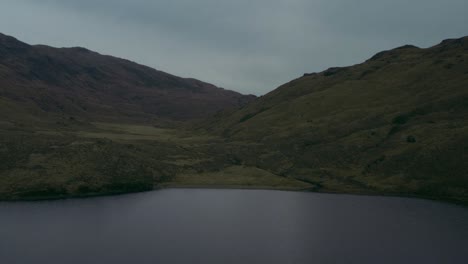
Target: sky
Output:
{"points": [[250, 46]]}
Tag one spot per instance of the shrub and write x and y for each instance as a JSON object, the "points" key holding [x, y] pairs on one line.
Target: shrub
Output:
{"points": [[400, 119]]}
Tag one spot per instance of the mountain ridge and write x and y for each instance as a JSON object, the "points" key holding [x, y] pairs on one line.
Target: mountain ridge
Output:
{"points": [[98, 83]]}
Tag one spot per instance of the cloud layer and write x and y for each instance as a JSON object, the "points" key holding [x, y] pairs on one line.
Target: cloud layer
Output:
{"points": [[249, 46]]}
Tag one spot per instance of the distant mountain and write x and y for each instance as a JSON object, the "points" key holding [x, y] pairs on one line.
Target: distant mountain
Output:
{"points": [[396, 124], [78, 82]]}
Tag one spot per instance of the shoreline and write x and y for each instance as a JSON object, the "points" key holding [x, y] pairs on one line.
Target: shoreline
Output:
{"points": [[447, 200]]}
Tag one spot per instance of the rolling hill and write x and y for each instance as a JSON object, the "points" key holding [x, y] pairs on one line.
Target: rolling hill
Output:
{"points": [[395, 124]]}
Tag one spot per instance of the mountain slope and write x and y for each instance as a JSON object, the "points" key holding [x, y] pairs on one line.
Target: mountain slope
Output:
{"points": [[79, 82], [397, 124], [77, 123]]}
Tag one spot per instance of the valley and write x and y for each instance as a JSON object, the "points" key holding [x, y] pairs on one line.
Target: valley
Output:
{"points": [[393, 125]]}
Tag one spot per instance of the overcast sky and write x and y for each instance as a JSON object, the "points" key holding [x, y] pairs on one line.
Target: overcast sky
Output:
{"points": [[251, 46]]}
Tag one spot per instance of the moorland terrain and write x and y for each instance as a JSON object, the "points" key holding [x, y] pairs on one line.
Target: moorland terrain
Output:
{"points": [[76, 123]]}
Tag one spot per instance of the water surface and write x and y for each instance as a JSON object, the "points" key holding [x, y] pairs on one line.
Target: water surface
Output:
{"points": [[233, 226]]}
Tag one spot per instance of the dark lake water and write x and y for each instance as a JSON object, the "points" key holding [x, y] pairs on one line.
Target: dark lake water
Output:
{"points": [[233, 226]]}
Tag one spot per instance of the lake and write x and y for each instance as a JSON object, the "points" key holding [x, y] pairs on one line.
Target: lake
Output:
{"points": [[233, 226]]}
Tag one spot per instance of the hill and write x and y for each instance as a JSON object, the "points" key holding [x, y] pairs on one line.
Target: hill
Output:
{"points": [[77, 82], [395, 124], [77, 123]]}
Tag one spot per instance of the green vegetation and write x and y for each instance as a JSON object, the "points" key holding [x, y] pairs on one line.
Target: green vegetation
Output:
{"points": [[49, 166], [238, 176], [107, 158], [395, 125]]}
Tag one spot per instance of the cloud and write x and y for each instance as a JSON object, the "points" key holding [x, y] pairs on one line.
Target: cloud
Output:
{"points": [[249, 46]]}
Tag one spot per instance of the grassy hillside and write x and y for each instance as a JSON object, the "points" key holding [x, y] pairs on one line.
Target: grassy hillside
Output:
{"points": [[107, 158], [52, 100], [395, 124]]}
